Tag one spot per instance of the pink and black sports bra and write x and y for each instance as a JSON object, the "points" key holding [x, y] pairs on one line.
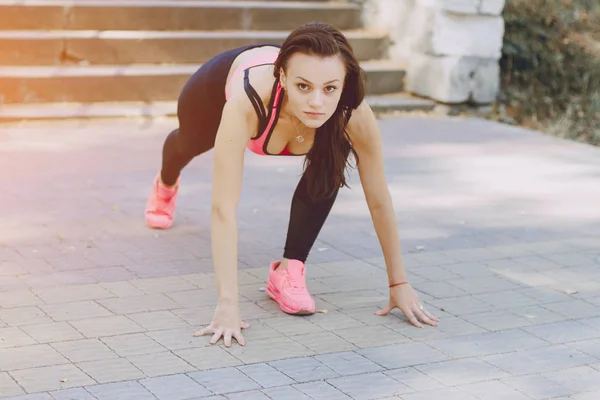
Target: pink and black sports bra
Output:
{"points": [[267, 119]]}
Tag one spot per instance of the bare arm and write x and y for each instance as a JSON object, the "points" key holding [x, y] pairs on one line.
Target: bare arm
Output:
{"points": [[366, 140], [232, 138], [230, 145]]}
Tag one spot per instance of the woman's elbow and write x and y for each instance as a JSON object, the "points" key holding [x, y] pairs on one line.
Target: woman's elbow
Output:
{"points": [[223, 211]]}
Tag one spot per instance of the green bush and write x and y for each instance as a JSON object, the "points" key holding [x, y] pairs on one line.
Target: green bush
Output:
{"points": [[551, 66]]}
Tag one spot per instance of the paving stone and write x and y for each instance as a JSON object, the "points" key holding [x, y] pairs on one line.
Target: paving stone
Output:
{"points": [[304, 369], [72, 293], [135, 304], [72, 394], [487, 343], [574, 309], [197, 298], [224, 380], [540, 360], [446, 394], [369, 386], [348, 363], [24, 316], [403, 355], [321, 390], [264, 350], [577, 379], [497, 320], [122, 289], [160, 364], [563, 332], [537, 314], [51, 378], [462, 305], [120, 391], [591, 347], [175, 387], [441, 290], [133, 344], [294, 326], [53, 332], [66, 262], [325, 342], [84, 350], [469, 269], [106, 326], [208, 357], [75, 310], [32, 356], [507, 299], [355, 299], [492, 390], [195, 316], [14, 337], [158, 320], [414, 379], [483, 285], [265, 375], [249, 395], [285, 393], [334, 320], [572, 259], [462, 372], [111, 370], [35, 396], [368, 336], [163, 285], [18, 298], [545, 295], [8, 386], [536, 387], [110, 274], [178, 339]]}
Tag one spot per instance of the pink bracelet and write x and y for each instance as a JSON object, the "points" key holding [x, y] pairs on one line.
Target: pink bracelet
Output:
{"points": [[399, 283]]}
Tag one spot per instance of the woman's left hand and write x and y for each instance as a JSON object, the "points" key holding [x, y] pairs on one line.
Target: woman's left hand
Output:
{"points": [[405, 298]]}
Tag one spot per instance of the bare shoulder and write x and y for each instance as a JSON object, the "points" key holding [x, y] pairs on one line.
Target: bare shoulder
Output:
{"points": [[238, 111], [362, 127]]}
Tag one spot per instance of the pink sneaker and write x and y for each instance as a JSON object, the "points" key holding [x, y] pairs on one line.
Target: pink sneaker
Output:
{"points": [[288, 288], [160, 209]]}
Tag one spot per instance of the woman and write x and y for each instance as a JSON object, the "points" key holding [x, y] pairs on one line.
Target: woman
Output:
{"points": [[303, 99]]}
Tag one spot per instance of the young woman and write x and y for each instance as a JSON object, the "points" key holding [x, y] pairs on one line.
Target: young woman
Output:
{"points": [[305, 98]]}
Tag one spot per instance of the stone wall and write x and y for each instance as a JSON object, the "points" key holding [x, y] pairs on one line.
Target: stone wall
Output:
{"points": [[451, 48]]}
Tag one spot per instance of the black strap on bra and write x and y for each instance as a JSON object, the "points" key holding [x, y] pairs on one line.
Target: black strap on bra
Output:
{"points": [[263, 115], [254, 98]]}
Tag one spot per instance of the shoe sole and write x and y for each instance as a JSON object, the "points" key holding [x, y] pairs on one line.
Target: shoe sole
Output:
{"points": [[272, 292]]}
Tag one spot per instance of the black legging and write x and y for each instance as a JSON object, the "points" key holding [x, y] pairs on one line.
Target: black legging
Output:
{"points": [[306, 217]]}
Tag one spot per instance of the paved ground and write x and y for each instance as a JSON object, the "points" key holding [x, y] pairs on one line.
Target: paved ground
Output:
{"points": [[500, 233]]}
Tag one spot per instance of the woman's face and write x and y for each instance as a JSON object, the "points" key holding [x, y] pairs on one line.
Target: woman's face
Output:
{"points": [[314, 86]]}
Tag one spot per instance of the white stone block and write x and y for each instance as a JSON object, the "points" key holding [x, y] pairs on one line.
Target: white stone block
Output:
{"points": [[453, 79], [440, 33], [455, 6], [392, 17], [492, 7]]}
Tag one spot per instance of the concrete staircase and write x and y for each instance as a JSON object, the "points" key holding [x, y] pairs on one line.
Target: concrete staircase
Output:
{"points": [[119, 58]]}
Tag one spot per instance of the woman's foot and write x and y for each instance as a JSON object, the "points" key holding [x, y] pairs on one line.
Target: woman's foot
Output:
{"points": [[287, 286], [160, 209]]}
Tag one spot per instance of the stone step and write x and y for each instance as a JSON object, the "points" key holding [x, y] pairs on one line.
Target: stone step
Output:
{"points": [[86, 84], [397, 102], [173, 15], [148, 47]]}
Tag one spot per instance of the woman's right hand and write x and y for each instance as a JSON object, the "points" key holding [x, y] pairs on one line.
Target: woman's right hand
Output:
{"points": [[226, 323]]}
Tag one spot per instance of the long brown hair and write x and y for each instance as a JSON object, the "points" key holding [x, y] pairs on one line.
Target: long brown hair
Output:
{"points": [[326, 162]]}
